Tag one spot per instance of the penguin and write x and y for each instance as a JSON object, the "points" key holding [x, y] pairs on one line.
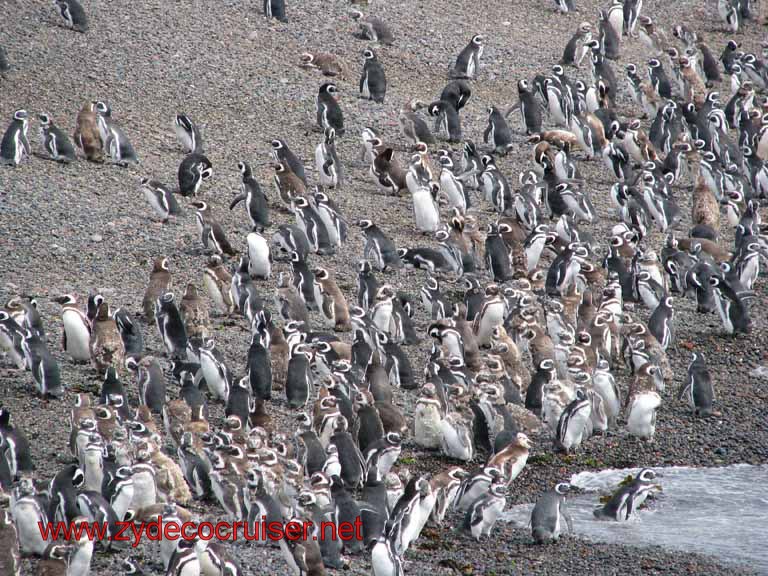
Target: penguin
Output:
{"points": [[299, 381], [184, 560], [492, 314], [625, 502], [259, 257], [574, 50], [11, 336], [329, 64], [282, 154], [311, 224], [329, 169], [456, 436], [697, 388], [87, 136], [329, 114], [10, 558], [331, 217], [497, 132], [530, 109], [76, 333], [73, 15], [194, 169], [161, 199], [372, 28], [545, 517], [56, 560], [260, 366], [116, 144], [468, 62], [447, 121], [217, 375], [159, 284], [62, 492], [211, 231], [484, 512], [573, 427], [379, 247], [334, 305], [288, 184], [731, 307], [188, 134], [194, 313], [170, 325], [660, 322], [54, 142], [42, 364], [217, 281], [373, 81], [151, 382], [16, 446], [28, 509], [289, 238], [15, 144], [254, 199], [387, 172]]}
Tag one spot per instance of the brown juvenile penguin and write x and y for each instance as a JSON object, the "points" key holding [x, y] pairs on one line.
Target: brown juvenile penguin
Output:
{"points": [[335, 307], [106, 344], [87, 136], [159, 284], [194, 313]]}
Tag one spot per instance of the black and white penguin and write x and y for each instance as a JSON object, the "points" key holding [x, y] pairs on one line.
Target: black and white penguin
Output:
{"points": [[299, 381], [15, 144], [331, 217], [151, 381], [254, 198], [212, 233], [367, 285], [259, 366], [73, 14], [188, 134], [76, 335], [259, 256], [379, 248], [628, 499], [485, 511], [329, 169], [545, 518], [217, 375], [114, 141], [275, 9], [54, 142], [697, 389], [573, 427], [497, 132], [530, 109], [329, 114], [311, 224], [62, 492], [171, 326], [282, 154], [28, 509], [660, 323], [447, 121], [194, 169], [161, 198], [42, 364], [373, 81], [468, 63], [184, 560]]}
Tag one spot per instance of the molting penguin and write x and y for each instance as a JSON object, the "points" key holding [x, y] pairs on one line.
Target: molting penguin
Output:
{"points": [[468, 63], [15, 145], [329, 113], [373, 81], [54, 142]]}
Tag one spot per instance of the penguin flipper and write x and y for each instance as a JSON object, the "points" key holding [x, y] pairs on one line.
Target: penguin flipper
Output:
{"points": [[236, 200], [205, 234]]}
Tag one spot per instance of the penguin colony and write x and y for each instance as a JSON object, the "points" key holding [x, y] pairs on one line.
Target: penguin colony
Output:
{"points": [[533, 343]]}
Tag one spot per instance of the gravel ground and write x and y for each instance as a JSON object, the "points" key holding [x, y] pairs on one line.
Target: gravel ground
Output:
{"points": [[87, 227]]}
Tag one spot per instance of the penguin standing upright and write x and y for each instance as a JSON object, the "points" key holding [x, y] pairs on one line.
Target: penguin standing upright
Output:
{"points": [[194, 169], [170, 325], [159, 284], [497, 131], [373, 81], [115, 142], [545, 518], [54, 142], [379, 246], [327, 161], [329, 113], [530, 109], [255, 200], [275, 9], [697, 388], [447, 123], [42, 364], [107, 347], [468, 63], [76, 335], [15, 145], [87, 136]]}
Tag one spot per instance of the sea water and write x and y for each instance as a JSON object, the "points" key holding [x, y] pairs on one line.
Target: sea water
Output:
{"points": [[721, 512]]}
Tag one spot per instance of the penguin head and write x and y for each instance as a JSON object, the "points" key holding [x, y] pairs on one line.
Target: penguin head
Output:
{"points": [[369, 54], [200, 205], [647, 475], [66, 299], [631, 69], [102, 108], [306, 58], [329, 134], [478, 40], [329, 88], [563, 488], [244, 168], [365, 224], [21, 116], [523, 440], [45, 120]]}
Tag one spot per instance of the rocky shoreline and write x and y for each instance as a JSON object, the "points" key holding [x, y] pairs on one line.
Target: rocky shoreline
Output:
{"points": [[85, 227]]}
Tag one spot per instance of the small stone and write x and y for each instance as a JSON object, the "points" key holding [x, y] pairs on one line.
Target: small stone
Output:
{"points": [[97, 238]]}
